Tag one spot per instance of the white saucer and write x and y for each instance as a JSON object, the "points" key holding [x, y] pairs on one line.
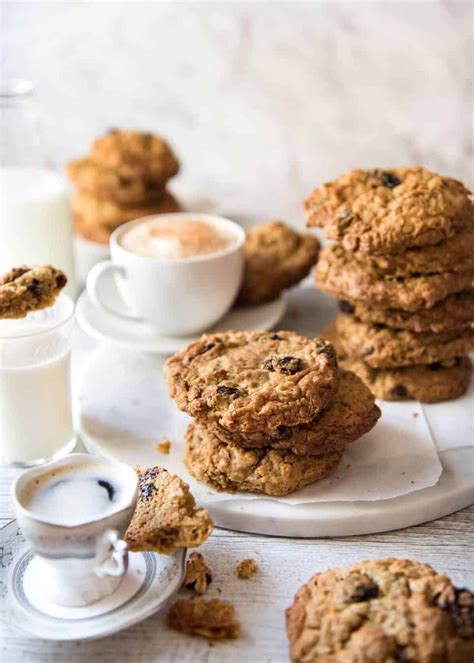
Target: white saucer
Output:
{"points": [[138, 336], [150, 581]]}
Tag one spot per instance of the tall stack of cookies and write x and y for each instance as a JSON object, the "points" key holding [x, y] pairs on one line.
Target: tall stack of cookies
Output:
{"points": [[402, 268], [272, 410], [123, 178]]}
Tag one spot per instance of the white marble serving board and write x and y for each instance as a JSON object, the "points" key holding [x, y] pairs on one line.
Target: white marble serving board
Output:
{"points": [[125, 411]]}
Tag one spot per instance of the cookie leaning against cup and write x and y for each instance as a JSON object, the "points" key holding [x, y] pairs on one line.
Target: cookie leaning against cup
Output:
{"points": [[166, 516], [351, 414], [387, 211], [381, 611], [250, 381], [276, 258]]}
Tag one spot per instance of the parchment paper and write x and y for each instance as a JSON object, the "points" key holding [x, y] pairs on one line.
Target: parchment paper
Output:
{"points": [[452, 423]]}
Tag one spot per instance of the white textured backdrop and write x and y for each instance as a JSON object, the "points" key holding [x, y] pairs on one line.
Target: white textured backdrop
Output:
{"points": [[262, 100]]}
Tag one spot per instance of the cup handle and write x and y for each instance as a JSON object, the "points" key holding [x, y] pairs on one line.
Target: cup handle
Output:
{"points": [[116, 564], [94, 279]]}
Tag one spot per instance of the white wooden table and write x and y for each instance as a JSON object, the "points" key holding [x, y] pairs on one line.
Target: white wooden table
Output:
{"points": [[260, 602]]}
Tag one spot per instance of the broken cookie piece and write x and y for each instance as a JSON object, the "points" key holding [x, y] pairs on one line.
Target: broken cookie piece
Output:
{"points": [[29, 288], [164, 446], [198, 575], [166, 516], [246, 568], [213, 619]]}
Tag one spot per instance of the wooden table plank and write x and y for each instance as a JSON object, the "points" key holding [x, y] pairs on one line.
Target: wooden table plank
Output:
{"points": [[285, 564]]}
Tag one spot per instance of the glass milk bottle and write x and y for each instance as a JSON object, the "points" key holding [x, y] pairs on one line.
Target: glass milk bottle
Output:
{"points": [[35, 220]]}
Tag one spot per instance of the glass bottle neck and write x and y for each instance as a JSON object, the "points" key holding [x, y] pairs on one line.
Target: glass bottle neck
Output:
{"points": [[20, 127]]}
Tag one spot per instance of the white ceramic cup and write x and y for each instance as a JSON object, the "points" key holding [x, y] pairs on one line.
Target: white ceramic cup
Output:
{"points": [[177, 296], [79, 564]]}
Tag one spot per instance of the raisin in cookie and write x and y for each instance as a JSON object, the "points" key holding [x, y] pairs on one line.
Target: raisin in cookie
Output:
{"points": [[388, 211], [94, 212], [213, 619], [29, 288], [350, 414], [430, 383], [339, 273], [276, 258], [384, 347], [107, 184], [135, 154], [166, 516], [454, 312], [251, 381], [386, 610], [229, 468]]}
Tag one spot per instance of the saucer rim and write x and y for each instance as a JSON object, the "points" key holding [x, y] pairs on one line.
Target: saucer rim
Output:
{"points": [[32, 616], [161, 344]]}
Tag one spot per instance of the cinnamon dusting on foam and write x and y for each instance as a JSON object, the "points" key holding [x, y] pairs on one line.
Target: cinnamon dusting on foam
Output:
{"points": [[179, 238]]}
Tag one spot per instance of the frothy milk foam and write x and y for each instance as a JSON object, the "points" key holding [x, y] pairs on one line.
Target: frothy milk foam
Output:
{"points": [[73, 495], [175, 239]]}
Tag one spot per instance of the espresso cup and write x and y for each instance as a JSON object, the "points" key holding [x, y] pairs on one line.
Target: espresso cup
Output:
{"points": [[175, 296], [78, 564]]}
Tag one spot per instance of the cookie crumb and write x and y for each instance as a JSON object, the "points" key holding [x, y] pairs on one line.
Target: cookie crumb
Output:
{"points": [[246, 568], [164, 446], [213, 619], [415, 415], [198, 575]]}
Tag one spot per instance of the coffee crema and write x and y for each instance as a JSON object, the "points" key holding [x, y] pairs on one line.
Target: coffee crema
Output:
{"points": [[176, 239], [72, 495]]}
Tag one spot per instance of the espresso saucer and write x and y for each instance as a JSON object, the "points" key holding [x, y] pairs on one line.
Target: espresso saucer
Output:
{"points": [[150, 581], [135, 335]]}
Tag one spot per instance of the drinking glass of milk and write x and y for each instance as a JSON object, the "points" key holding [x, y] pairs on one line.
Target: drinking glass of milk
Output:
{"points": [[35, 220], [35, 386]]}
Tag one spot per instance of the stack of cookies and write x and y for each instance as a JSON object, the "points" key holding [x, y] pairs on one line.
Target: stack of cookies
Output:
{"points": [[272, 410], [123, 178], [403, 269]]}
